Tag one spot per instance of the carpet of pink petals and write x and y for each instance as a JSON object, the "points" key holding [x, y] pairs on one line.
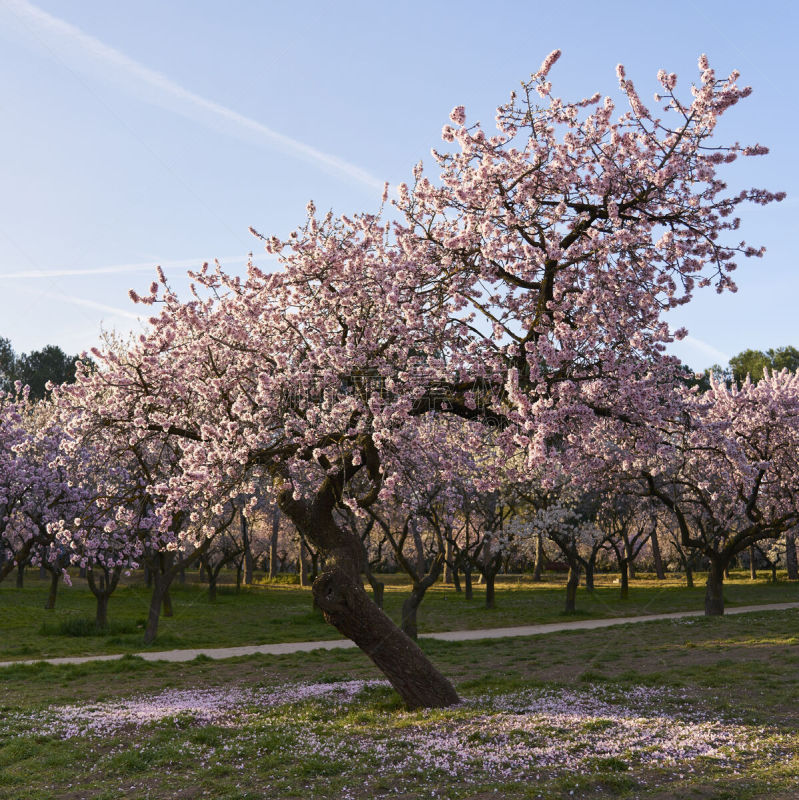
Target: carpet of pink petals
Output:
{"points": [[508, 735]]}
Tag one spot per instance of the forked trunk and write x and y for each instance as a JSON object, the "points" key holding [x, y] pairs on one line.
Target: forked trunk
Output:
{"points": [[714, 590]]}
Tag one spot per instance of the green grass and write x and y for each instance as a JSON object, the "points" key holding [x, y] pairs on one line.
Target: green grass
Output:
{"points": [[743, 670], [268, 613]]}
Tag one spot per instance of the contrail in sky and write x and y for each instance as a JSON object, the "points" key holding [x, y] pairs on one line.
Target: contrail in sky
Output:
{"points": [[119, 269], [706, 348], [73, 45], [81, 301]]}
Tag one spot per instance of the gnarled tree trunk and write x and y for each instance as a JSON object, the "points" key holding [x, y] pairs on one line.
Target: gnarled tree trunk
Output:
{"points": [[338, 592]]}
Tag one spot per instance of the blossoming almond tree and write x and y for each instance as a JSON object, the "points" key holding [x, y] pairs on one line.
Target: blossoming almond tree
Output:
{"points": [[729, 471], [567, 234], [35, 491]]}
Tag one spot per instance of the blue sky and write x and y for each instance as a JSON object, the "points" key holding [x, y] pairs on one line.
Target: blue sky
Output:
{"points": [[152, 132]]}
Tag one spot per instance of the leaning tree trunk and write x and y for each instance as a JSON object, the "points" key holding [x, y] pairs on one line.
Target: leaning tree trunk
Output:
{"points": [[714, 590], [20, 575], [338, 592], [790, 557]]}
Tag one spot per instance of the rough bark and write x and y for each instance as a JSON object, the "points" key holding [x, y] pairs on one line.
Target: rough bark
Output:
{"points": [[347, 607]]}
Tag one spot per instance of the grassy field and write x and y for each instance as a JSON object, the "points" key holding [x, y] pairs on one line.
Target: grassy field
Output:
{"points": [[263, 614], [696, 708]]}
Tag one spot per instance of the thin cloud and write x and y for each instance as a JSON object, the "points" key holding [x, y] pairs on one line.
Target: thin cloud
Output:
{"points": [[77, 47]]}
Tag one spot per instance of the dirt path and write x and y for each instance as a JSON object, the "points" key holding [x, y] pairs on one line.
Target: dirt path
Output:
{"points": [[449, 636]]}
